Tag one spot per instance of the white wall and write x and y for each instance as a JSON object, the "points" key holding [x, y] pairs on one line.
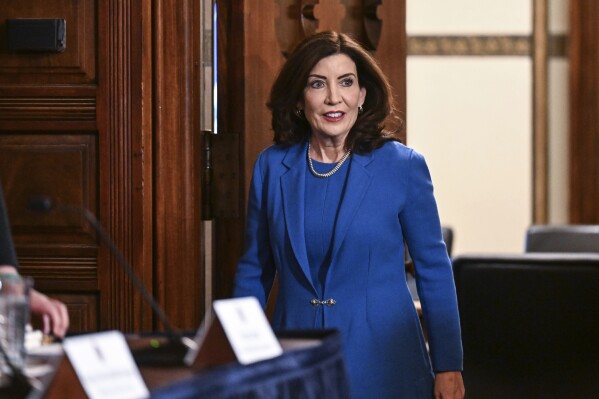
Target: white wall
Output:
{"points": [[471, 116], [468, 17]]}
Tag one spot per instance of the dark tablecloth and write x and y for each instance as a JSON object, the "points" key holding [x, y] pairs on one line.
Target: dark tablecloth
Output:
{"points": [[314, 372]]}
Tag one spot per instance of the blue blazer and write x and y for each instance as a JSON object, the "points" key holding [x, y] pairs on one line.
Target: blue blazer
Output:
{"points": [[388, 199]]}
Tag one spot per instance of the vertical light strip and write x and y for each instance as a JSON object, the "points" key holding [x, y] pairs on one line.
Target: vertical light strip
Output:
{"points": [[208, 118], [214, 68], [207, 72], [540, 112]]}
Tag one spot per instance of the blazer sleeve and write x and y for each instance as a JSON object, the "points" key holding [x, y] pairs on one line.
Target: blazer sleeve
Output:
{"points": [[434, 275], [8, 255], [255, 270]]}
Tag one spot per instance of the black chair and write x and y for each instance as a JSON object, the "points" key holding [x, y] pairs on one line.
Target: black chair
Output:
{"points": [[448, 238], [530, 325], [562, 238]]}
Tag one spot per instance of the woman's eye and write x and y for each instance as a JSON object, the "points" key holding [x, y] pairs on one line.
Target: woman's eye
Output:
{"points": [[316, 84], [347, 82]]}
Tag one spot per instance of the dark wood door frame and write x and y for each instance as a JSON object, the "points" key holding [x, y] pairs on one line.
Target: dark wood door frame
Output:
{"points": [[149, 154], [125, 153], [584, 111], [177, 159]]}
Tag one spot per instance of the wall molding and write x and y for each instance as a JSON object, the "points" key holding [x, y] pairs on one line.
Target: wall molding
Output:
{"points": [[48, 108], [482, 45]]}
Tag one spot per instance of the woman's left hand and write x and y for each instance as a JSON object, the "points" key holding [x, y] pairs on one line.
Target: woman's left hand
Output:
{"points": [[449, 385]]}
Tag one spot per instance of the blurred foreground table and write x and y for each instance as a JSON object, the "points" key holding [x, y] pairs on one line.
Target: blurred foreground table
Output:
{"points": [[312, 366]]}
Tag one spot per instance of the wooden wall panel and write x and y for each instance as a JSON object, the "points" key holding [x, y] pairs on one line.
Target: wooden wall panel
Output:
{"points": [[76, 64], [48, 108], [49, 146], [177, 179], [110, 124], [584, 111], [83, 312], [85, 127], [62, 168], [58, 249], [125, 149], [391, 49]]}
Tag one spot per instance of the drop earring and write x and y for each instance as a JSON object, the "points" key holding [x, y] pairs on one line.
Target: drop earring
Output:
{"points": [[360, 109], [299, 112]]}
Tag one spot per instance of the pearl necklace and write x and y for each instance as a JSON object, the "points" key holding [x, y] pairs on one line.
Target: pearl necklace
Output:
{"points": [[332, 171]]}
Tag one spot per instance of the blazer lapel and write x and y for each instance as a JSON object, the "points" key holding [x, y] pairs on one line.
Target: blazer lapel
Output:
{"points": [[355, 190], [293, 184]]}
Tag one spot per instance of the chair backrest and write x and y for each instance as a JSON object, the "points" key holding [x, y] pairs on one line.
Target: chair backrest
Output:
{"points": [[562, 238], [448, 238], [530, 325]]}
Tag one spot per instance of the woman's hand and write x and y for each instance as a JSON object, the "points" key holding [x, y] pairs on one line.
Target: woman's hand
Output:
{"points": [[449, 385]]}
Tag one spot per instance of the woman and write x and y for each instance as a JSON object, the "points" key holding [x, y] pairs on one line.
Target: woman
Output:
{"points": [[330, 205]]}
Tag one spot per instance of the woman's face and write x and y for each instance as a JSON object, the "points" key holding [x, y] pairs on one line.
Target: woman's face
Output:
{"points": [[332, 97]]}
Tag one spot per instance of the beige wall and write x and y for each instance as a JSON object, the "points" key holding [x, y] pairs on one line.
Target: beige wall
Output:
{"points": [[472, 117], [558, 119]]}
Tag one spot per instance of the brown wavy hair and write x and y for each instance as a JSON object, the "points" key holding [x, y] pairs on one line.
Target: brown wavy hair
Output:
{"points": [[377, 124]]}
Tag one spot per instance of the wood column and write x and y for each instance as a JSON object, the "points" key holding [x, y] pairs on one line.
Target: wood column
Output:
{"points": [[125, 148], [584, 111], [177, 151]]}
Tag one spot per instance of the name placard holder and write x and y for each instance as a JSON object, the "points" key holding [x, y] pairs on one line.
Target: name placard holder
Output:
{"points": [[104, 366], [238, 330]]}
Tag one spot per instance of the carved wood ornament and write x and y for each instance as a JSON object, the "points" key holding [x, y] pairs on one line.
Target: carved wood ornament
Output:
{"points": [[298, 19]]}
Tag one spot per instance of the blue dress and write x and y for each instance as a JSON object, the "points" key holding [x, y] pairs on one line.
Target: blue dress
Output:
{"points": [[350, 262], [323, 198]]}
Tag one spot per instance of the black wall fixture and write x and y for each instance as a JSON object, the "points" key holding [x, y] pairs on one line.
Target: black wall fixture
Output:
{"points": [[36, 35]]}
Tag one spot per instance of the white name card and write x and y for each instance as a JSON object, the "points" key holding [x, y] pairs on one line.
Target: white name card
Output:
{"points": [[105, 366], [237, 330], [247, 329]]}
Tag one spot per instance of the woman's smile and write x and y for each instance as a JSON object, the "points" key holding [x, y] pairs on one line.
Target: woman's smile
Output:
{"points": [[334, 116]]}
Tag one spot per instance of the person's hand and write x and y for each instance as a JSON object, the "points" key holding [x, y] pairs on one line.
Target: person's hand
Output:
{"points": [[449, 385], [53, 313]]}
